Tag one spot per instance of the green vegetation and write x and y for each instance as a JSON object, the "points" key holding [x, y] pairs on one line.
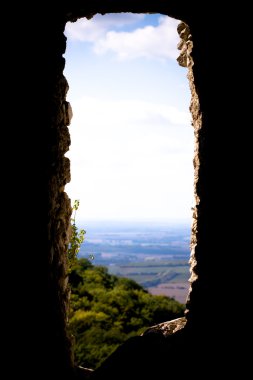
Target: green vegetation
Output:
{"points": [[105, 310], [76, 238]]}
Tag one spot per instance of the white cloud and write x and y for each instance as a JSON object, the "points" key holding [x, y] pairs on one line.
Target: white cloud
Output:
{"points": [[127, 126], [152, 42], [94, 29], [157, 42], [120, 166]]}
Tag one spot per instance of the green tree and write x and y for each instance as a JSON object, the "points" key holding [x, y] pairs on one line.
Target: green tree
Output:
{"points": [[106, 310]]}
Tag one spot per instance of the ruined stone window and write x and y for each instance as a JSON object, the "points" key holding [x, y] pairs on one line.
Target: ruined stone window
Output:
{"points": [[120, 108]]}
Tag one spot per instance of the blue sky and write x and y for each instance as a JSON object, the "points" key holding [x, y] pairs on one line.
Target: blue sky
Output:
{"points": [[131, 136]]}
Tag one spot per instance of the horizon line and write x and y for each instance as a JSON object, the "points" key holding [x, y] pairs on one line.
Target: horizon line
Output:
{"points": [[170, 221]]}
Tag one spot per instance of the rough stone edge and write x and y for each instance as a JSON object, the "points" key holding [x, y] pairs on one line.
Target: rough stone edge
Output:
{"points": [[185, 60], [167, 328], [83, 373]]}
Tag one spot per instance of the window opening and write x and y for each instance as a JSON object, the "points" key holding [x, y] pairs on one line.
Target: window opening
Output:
{"points": [[131, 168]]}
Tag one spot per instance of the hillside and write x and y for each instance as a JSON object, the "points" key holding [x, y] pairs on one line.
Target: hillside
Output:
{"points": [[106, 310]]}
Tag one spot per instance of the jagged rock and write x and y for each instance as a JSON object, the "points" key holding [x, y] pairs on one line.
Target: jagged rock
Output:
{"points": [[167, 328], [82, 373]]}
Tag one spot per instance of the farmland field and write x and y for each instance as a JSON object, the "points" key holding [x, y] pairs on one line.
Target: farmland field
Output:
{"points": [[168, 278], [155, 256]]}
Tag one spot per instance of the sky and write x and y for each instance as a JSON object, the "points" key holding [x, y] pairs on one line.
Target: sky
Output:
{"points": [[132, 142]]}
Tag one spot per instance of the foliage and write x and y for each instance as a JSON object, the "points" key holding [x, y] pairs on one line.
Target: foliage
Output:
{"points": [[76, 238], [106, 310]]}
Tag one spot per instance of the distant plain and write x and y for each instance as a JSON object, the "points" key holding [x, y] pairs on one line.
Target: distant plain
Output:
{"points": [[155, 255]]}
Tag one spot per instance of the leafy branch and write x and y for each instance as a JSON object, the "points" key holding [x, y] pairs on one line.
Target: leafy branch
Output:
{"points": [[76, 238]]}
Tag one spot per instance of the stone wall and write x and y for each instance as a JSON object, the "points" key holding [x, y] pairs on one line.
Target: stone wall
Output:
{"points": [[185, 60], [37, 211]]}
